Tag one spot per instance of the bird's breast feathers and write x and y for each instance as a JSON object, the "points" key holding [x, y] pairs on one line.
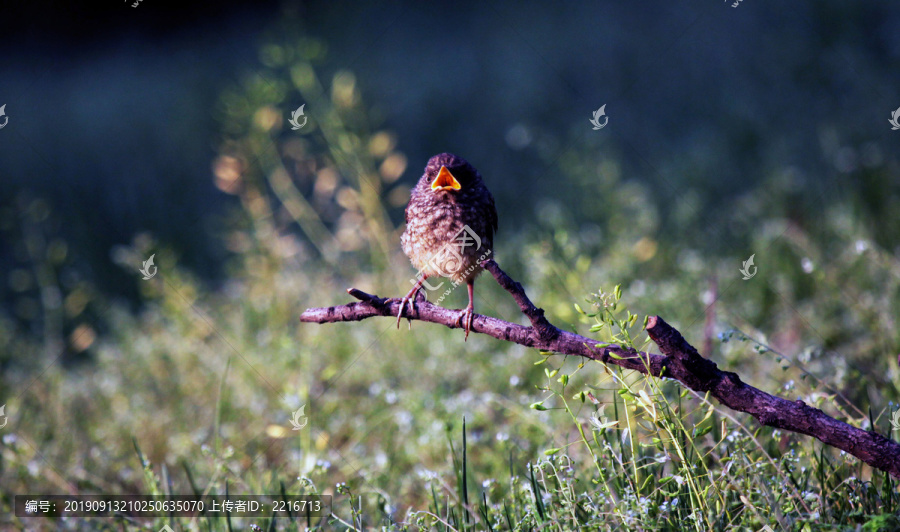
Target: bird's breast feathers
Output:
{"points": [[447, 240]]}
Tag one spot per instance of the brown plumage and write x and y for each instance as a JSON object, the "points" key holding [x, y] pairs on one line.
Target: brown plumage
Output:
{"points": [[450, 223]]}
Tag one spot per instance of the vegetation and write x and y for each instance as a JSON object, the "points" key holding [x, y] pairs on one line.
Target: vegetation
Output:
{"points": [[414, 429]]}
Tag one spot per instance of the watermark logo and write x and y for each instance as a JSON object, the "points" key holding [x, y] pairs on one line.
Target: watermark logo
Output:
{"points": [[299, 420], [598, 114], [6, 118], [3, 414], [298, 112], [895, 420], [448, 262], [745, 270], [449, 259], [146, 269], [894, 121], [166, 528]]}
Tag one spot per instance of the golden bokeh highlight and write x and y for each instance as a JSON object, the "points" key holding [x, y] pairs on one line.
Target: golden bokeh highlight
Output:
{"points": [[82, 337], [277, 432], [645, 249], [381, 144], [393, 167], [343, 89], [267, 118], [227, 171]]}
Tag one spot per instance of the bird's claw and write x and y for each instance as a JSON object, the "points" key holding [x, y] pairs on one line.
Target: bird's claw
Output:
{"points": [[466, 319], [409, 299], [403, 303]]}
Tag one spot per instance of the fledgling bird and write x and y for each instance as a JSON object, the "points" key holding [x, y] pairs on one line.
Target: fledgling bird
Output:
{"points": [[450, 224]]}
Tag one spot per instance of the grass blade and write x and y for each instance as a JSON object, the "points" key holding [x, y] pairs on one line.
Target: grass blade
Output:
{"points": [[465, 480]]}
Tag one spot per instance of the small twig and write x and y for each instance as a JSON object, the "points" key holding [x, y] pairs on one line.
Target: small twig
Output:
{"points": [[681, 362], [362, 296]]}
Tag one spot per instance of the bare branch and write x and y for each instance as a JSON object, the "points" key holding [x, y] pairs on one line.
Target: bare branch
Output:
{"points": [[680, 362]]}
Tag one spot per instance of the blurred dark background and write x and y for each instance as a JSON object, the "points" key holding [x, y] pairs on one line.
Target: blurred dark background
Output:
{"points": [[113, 110]]}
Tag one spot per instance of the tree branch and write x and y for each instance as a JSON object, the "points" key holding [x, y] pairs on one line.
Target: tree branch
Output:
{"points": [[680, 361]]}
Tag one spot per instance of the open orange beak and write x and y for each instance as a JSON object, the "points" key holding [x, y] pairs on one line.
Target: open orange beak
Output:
{"points": [[445, 181]]}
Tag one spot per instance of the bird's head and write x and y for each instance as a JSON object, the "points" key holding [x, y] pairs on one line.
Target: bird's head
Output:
{"points": [[448, 173]]}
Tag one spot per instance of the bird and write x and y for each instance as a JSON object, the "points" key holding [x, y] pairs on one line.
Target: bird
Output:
{"points": [[451, 219]]}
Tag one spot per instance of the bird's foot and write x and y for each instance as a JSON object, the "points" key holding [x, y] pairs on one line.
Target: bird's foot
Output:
{"points": [[410, 300], [466, 318], [403, 303]]}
